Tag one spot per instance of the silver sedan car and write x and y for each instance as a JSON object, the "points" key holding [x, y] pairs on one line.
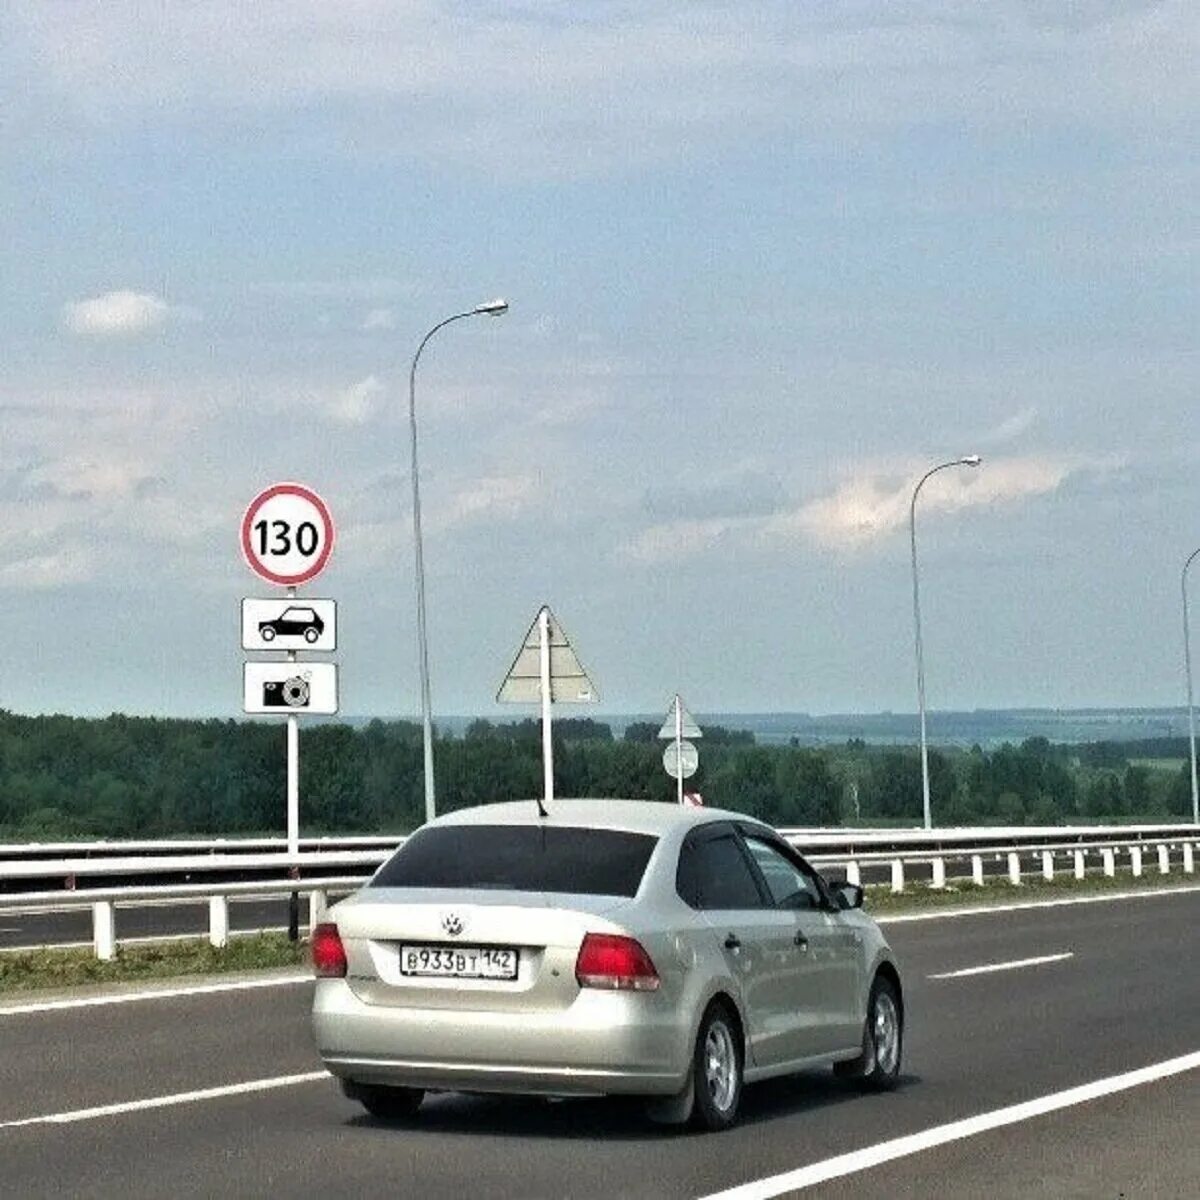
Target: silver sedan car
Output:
{"points": [[611, 947]]}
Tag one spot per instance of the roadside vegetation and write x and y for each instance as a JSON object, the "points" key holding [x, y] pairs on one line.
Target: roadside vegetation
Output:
{"points": [[28, 970], [119, 777]]}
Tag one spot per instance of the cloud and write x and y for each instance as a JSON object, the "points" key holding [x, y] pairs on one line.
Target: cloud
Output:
{"points": [[1011, 428], [379, 318], [867, 508], [359, 402], [45, 572], [121, 313], [584, 88], [499, 497]]}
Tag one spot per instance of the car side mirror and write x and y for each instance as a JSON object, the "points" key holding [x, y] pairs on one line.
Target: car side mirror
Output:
{"points": [[846, 894]]}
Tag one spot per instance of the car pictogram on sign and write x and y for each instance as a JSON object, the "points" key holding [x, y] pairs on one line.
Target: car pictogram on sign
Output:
{"points": [[295, 621]]}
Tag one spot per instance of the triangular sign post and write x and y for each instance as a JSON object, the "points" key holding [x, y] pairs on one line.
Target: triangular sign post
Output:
{"points": [[546, 669], [680, 724]]}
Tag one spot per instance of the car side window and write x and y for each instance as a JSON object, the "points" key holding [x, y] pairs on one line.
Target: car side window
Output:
{"points": [[713, 875], [789, 886]]}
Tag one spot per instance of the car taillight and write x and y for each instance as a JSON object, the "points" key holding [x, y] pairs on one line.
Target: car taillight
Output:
{"points": [[609, 960], [328, 953]]}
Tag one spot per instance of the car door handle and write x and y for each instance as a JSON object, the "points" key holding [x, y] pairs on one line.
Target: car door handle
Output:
{"points": [[800, 940], [733, 942]]}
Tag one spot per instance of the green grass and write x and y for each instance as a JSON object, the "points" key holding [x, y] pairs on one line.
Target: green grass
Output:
{"points": [[22, 971], [960, 893]]}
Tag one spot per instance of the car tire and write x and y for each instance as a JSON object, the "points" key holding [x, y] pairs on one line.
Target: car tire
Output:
{"points": [[878, 1066], [311, 635], [386, 1103], [717, 1069], [267, 634]]}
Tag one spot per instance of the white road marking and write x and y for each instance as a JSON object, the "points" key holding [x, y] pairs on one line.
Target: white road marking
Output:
{"points": [[1015, 965], [10, 929], [980, 909], [940, 1135], [200, 989], [214, 1093]]}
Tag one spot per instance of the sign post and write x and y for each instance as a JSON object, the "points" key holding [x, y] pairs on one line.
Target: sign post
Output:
{"points": [[681, 759], [546, 669], [287, 537]]}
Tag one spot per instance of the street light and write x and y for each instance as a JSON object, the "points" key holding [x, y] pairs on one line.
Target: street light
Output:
{"points": [[491, 308], [970, 460], [1187, 665]]}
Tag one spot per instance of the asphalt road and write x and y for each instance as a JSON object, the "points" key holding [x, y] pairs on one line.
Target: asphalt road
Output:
{"points": [[1128, 997]]}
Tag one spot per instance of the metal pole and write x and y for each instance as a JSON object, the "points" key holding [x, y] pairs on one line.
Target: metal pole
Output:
{"points": [[547, 739], [293, 802], [419, 563], [969, 461], [678, 748], [1187, 662]]}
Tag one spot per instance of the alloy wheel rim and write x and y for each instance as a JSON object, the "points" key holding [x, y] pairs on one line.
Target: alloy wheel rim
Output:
{"points": [[720, 1065], [886, 1033]]}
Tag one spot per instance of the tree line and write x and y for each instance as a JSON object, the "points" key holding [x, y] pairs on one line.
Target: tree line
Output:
{"points": [[126, 776]]}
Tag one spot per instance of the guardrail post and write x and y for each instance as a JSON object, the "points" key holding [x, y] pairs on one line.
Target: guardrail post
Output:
{"points": [[218, 921], [1135, 860], [853, 872], [939, 872], [1164, 860], [977, 869], [1080, 867], [897, 875], [1110, 861], [1048, 865], [318, 902], [104, 930], [1189, 859], [1014, 868]]}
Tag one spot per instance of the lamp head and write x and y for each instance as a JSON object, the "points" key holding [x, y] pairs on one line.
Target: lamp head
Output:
{"points": [[971, 460], [492, 308]]}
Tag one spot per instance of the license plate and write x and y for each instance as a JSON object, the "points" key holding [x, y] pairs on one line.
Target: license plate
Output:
{"points": [[459, 962]]}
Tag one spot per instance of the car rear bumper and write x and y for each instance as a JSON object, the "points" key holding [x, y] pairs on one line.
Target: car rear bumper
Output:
{"points": [[604, 1043]]}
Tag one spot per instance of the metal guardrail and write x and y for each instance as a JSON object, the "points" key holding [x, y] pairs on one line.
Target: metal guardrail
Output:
{"points": [[1183, 841]]}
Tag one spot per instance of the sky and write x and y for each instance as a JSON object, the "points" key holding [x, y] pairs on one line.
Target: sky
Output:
{"points": [[767, 263]]}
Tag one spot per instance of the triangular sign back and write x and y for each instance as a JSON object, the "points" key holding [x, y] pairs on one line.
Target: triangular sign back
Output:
{"points": [[569, 682], [690, 728]]}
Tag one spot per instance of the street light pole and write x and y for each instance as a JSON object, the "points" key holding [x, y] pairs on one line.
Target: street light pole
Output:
{"points": [[1187, 665], [493, 308], [970, 460]]}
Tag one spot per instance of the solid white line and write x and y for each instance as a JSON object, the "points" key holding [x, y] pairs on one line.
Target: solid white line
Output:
{"points": [[200, 989], [214, 1093], [981, 909], [940, 1135], [1016, 964]]}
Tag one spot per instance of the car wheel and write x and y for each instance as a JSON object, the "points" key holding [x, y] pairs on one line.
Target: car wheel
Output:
{"points": [[311, 635], [386, 1103], [267, 634], [883, 1039], [717, 1070]]}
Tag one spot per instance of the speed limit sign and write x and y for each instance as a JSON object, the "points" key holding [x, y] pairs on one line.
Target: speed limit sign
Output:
{"points": [[287, 534]]}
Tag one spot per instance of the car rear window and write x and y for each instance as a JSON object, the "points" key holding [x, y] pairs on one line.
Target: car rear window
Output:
{"points": [[521, 858]]}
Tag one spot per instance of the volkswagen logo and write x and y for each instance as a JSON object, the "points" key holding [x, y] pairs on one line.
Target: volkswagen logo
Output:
{"points": [[452, 923]]}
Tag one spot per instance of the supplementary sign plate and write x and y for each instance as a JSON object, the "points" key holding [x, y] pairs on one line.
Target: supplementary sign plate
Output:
{"points": [[283, 689], [282, 624]]}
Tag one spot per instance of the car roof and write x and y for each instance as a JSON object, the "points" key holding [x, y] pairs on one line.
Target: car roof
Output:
{"points": [[634, 816]]}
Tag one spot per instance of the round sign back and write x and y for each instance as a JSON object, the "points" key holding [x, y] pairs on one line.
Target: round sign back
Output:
{"points": [[683, 760], [287, 534]]}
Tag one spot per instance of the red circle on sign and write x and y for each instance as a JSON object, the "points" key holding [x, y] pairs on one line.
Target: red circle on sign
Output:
{"points": [[252, 560]]}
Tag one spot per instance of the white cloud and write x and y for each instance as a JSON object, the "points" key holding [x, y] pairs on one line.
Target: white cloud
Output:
{"points": [[864, 509], [379, 318], [498, 497], [121, 313], [44, 572], [359, 402], [1012, 427]]}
